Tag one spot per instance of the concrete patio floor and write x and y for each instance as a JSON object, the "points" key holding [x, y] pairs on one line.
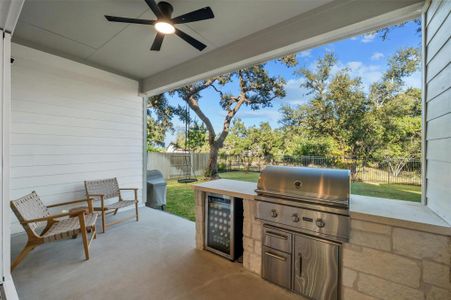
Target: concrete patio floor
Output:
{"points": [[152, 259]]}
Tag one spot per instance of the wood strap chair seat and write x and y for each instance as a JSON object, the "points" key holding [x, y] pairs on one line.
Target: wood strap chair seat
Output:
{"points": [[117, 205], [67, 228], [108, 189], [43, 227]]}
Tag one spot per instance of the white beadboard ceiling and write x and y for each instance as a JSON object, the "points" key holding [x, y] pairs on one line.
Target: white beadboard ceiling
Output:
{"points": [[76, 29]]}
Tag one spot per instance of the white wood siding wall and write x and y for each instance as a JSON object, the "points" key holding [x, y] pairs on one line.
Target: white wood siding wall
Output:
{"points": [[71, 122], [438, 107]]}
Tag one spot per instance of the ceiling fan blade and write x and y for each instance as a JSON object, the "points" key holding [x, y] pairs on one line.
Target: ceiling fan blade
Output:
{"points": [[129, 20], [190, 40], [154, 7], [156, 45], [196, 15]]}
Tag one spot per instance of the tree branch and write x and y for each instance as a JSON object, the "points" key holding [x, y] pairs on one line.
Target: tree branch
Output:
{"points": [[232, 112], [194, 105], [196, 89], [217, 90], [228, 119]]}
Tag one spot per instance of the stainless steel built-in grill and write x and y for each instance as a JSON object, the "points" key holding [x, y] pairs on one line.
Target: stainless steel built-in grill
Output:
{"points": [[306, 217]]}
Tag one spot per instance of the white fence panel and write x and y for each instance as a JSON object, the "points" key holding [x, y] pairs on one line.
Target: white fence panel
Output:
{"points": [[176, 165]]}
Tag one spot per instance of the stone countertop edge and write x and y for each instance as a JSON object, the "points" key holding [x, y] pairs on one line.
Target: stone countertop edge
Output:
{"points": [[399, 213]]}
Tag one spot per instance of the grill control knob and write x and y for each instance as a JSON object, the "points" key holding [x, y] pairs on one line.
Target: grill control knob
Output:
{"points": [[298, 184], [295, 218], [320, 223], [274, 213]]}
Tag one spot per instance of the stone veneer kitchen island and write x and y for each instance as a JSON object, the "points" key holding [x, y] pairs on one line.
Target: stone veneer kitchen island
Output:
{"points": [[397, 249]]}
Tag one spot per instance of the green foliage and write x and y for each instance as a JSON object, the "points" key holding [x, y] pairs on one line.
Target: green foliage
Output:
{"points": [[253, 143], [159, 121], [257, 89], [197, 138], [402, 64], [341, 119], [399, 110], [316, 146]]}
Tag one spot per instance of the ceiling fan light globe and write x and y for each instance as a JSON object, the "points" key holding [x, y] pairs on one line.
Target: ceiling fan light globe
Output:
{"points": [[164, 27]]}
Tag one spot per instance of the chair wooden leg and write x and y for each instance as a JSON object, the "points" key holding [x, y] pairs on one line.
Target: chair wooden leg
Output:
{"points": [[102, 206], [136, 204], [103, 221], [136, 209], [28, 247], [84, 236]]}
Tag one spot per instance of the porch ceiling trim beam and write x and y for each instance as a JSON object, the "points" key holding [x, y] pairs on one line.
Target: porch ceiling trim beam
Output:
{"points": [[333, 21]]}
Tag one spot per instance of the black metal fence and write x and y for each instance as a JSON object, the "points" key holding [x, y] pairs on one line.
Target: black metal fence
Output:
{"points": [[393, 170]]}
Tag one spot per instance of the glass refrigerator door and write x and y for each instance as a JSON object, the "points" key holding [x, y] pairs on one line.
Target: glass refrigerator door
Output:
{"points": [[219, 225]]}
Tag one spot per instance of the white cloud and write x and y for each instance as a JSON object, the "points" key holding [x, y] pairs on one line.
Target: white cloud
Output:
{"points": [[368, 38], [269, 114], [377, 56], [353, 38], [368, 73], [305, 53], [354, 65], [295, 94]]}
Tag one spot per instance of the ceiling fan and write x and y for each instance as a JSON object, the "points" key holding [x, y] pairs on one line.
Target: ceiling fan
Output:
{"points": [[164, 24]]}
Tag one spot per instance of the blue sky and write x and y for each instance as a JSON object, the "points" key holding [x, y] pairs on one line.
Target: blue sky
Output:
{"points": [[365, 55]]}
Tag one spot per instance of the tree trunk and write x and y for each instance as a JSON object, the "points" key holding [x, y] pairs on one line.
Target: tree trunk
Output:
{"points": [[212, 168]]}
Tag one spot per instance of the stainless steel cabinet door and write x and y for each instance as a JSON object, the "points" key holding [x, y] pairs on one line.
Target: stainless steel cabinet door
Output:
{"points": [[315, 268], [276, 267]]}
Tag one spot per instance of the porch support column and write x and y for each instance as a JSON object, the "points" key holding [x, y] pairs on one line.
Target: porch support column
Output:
{"points": [[10, 10], [5, 116]]}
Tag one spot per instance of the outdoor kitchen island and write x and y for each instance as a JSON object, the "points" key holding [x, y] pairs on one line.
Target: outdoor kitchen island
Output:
{"points": [[396, 249]]}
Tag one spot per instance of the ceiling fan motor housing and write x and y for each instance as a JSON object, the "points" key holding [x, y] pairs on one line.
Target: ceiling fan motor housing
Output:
{"points": [[165, 23], [166, 9]]}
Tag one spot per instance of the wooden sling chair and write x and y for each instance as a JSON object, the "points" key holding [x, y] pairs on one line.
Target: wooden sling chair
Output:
{"points": [[106, 189], [43, 227]]}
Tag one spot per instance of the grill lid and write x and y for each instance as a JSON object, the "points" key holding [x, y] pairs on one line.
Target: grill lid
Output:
{"points": [[329, 186]]}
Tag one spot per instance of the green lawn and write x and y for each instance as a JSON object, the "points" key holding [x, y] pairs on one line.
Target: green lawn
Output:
{"points": [[180, 199], [391, 191], [180, 196]]}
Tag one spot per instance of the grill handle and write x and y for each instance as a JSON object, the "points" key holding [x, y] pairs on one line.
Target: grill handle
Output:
{"points": [[276, 235], [275, 256], [300, 264]]}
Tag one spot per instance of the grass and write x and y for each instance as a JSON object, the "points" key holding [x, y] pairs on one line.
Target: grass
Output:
{"points": [[390, 191], [180, 199], [180, 196]]}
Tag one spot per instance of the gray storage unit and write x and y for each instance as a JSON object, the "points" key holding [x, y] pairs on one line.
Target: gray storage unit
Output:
{"points": [[156, 190]]}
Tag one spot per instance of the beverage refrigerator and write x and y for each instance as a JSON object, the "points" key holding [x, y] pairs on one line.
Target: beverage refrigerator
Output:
{"points": [[224, 225]]}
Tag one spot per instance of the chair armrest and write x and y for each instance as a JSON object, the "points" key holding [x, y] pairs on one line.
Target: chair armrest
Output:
{"points": [[69, 202], [135, 192], [56, 216], [96, 195]]}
